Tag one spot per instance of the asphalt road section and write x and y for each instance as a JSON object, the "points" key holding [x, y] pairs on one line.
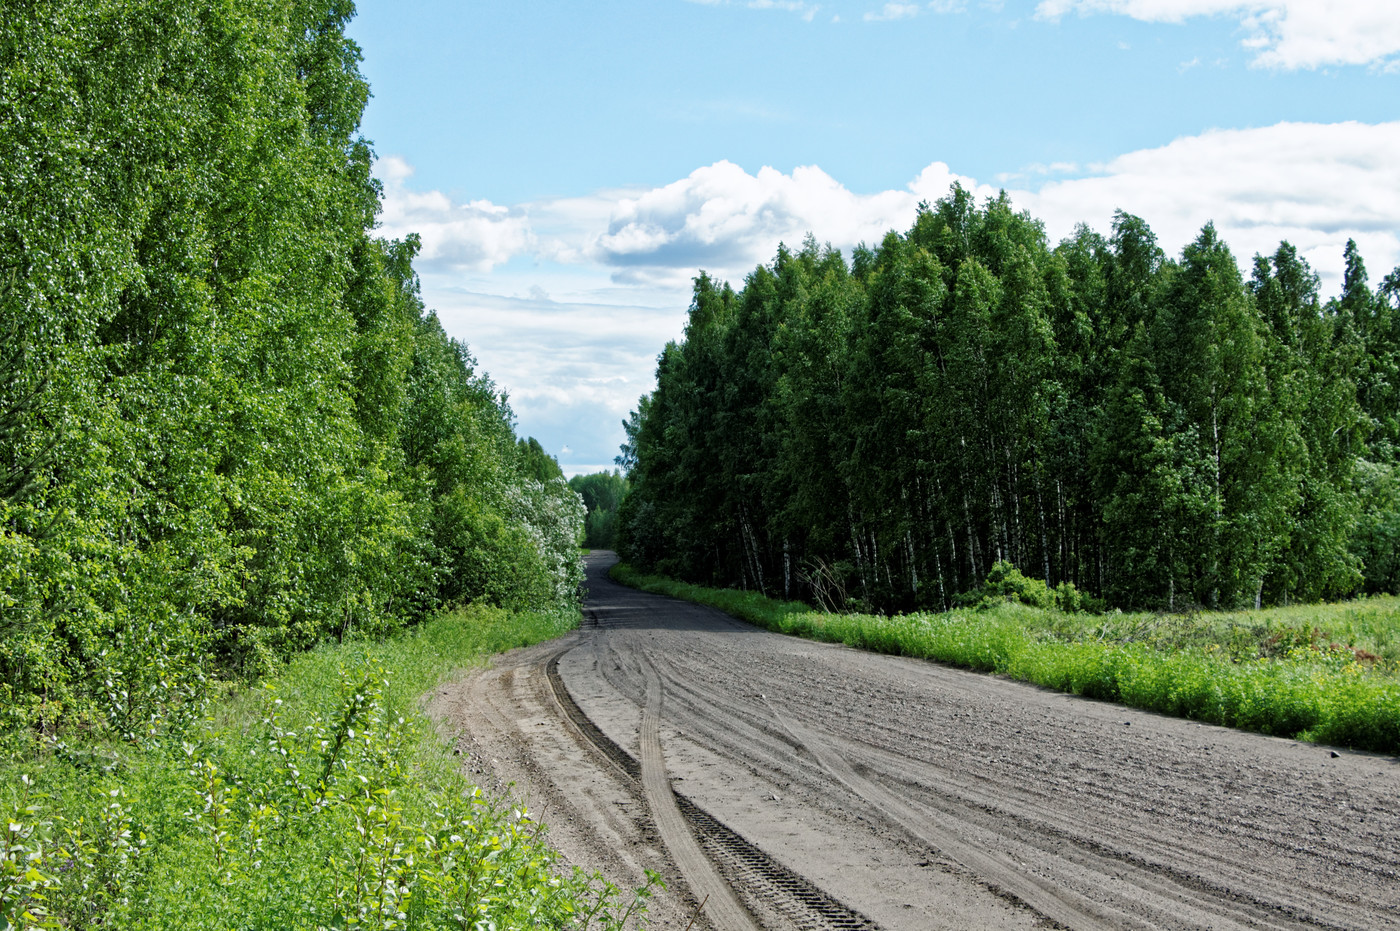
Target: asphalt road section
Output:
{"points": [[813, 786]]}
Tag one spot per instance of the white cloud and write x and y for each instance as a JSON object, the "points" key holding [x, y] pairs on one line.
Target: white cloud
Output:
{"points": [[893, 11], [1316, 185], [948, 6], [805, 10], [572, 370], [1036, 169], [578, 332], [722, 218], [477, 235], [1284, 34]]}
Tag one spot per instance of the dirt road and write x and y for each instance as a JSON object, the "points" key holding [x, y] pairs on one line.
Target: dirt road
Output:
{"points": [[791, 784]]}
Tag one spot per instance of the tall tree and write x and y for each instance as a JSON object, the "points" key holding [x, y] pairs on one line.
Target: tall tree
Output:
{"points": [[215, 371], [1310, 373], [1153, 430]]}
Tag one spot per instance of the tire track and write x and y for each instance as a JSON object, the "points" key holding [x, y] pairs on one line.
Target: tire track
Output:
{"points": [[976, 823], [763, 883], [1093, 816], [1045, 834], [721, 906], [1058, 905], [1030, 824], [505, 729]]}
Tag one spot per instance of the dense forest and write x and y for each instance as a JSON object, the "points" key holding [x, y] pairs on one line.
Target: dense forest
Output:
{"points": [[229, 429], [1156, 432], [602, 494]]}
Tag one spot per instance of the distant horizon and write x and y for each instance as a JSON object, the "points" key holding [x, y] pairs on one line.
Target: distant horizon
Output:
{"points": [[574, 471]]}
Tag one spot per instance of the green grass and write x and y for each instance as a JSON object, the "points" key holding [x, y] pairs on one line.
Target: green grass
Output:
{"points": [[1326, 673], [322, 798]]}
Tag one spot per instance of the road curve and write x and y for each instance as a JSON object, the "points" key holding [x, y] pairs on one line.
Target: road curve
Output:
{"points": [[831, 788]]}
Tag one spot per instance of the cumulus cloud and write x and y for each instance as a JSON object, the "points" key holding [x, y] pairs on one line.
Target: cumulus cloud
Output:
{"points": [[1313, 184], [476, 235], [720, 217], [578, 333], [1316, 185], [1286, 34], [572, 369]]}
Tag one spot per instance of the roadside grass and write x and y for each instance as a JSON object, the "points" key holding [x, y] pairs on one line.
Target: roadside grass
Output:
{"points": [[320, 798], [1323, 673]]}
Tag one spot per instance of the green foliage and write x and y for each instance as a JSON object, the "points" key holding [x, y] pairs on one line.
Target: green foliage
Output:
{"points": [[229, 429], [1376, 542], [320, 799], [1156, 433], [499, 532], [24, 889], [602, 494], [1276, 672], [537, 464], [230, 433], [1005, 583]]}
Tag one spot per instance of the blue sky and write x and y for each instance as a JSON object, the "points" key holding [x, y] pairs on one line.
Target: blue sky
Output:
{"points": [[571, 166]]}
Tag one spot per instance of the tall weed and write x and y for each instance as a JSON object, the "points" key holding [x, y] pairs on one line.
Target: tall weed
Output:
{"points": [[321, 799]]}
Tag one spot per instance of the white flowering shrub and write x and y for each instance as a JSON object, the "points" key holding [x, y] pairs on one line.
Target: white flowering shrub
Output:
{"points": [[553, 514]]}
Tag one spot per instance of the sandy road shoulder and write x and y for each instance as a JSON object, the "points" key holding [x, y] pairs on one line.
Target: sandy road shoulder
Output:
{"points": [[515, 742]]}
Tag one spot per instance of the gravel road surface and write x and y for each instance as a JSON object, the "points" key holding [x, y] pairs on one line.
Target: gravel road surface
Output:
{"points": [[796, 785]]}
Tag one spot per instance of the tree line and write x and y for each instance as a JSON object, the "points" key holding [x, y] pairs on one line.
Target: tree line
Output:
{"points": [[229, 428], [1158, 432], [602, 494]]}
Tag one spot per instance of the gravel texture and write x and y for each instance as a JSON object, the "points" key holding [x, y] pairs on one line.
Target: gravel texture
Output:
{"points": [[832, 788]]}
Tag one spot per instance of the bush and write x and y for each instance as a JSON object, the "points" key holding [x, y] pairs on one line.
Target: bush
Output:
{"points": [[321, 799], [1005, 583]]}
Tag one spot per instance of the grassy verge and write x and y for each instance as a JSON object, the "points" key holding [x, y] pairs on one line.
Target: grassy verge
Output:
{"points": [[320, 799], [1326, 673]]}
